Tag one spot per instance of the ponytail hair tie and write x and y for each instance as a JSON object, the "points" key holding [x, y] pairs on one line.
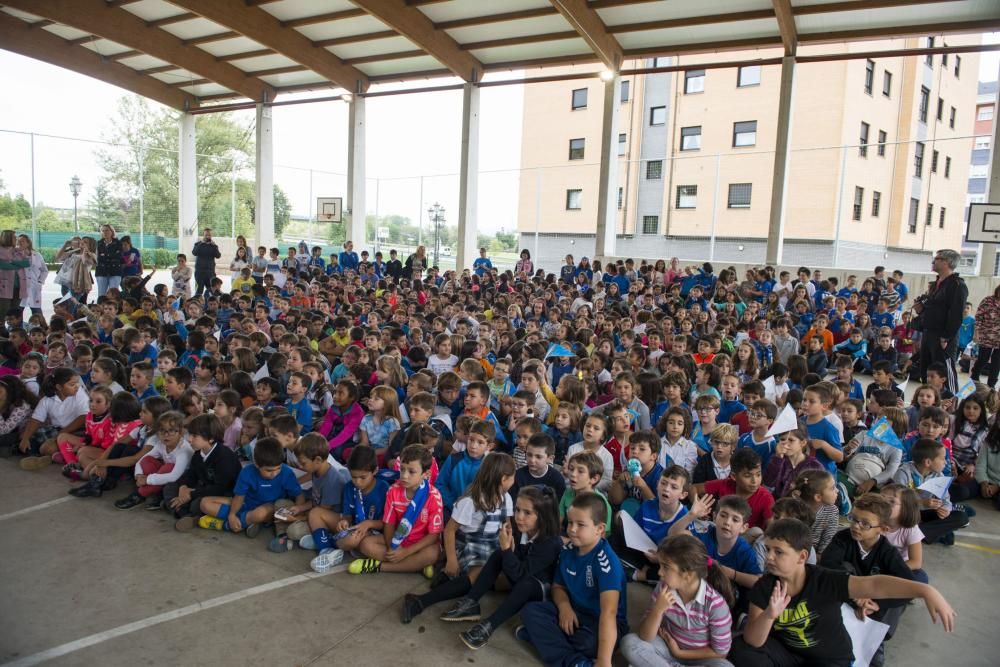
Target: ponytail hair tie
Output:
{"points": [[710, 562]]}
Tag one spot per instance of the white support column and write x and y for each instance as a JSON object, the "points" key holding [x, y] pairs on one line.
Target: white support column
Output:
{"points": [[468, 180], [779, 178], [607, 193], [355, 219], [264, 197], [187, 186]]}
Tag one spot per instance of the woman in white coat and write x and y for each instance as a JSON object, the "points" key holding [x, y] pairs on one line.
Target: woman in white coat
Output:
{"points": [[35, 274]]}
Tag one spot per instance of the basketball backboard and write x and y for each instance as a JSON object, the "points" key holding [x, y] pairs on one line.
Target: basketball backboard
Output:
{"points": [[329, 209], [984, 223]]}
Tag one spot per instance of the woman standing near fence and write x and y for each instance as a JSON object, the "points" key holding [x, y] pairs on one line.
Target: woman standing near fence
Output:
{"points": [[987, 337], [13, 284], [109, 260], [35, 274]]}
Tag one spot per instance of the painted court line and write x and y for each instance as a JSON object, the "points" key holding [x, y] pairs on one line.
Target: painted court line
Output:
{"points": [[980, 536], [26, 510], [113, 633], [989, 550]]}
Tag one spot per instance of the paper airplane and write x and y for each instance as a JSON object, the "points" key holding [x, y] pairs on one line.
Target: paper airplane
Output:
{"points": [[559, 350], [635, 537], [882, 431], [785, 421], [866, 635], [936, 486]]}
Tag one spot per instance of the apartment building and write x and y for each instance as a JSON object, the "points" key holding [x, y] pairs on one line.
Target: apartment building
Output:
{"points": [[979, 162], [877, 172]]}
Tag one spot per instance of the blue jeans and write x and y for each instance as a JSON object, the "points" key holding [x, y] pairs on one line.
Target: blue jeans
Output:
{"points": [[104, 283]]}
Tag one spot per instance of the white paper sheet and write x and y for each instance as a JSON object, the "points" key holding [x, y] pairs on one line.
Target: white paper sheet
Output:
{"points": [[936, 486], [635, 536], [784, 422], [866, 635]]}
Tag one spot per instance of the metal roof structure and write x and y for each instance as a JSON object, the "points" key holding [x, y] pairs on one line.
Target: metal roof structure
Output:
{"points": [[191, 54]]}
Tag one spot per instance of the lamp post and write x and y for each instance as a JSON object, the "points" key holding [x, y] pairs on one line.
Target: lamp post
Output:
{"points": [[74, 186], [436, 215]]}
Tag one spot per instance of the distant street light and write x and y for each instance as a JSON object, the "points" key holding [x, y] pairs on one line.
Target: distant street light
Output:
{"points": [[436, 214], [74, 186]]}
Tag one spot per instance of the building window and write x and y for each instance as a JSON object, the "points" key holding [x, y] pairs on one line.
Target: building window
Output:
{"points": [[947, 167], [918, 159], [739, 195], [944, 59], [748, 76], [687, 196], [881, 143], [982, 143], [979, 170], [576, 149], [745, 133], [859, 200], [654, 170], [930, 214], [621, 195], [911, 219], [579, 100], [887, 83], [929, 60], [876, 203], [869, 76], [694, 81], [985, 112], [658, 115], [691, 138], [650, 224], [574, 199], [951, 118], [958, 65], [863, 147], [925, 97], [661, 62], [941, 217], [934, 161], [940, 109], [625, 91], [621, 144]]}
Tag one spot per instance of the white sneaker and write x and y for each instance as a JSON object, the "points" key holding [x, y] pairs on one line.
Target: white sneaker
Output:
{"points": [[326, 560], [307, 543]]}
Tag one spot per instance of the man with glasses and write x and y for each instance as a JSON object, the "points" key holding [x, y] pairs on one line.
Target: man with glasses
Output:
{"points": [[940, 311]]}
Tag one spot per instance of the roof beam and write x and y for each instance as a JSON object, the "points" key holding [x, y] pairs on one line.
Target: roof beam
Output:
{"points": [[18, 37], [354, 39], [415, 26], [589, 25], [786, 25], [266, 30], [118, 25]]}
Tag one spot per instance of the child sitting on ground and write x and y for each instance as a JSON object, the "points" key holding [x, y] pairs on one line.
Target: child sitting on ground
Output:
{"points": [[818, 489], [938, 518], [212, 472], [637, 481], [744, 480], [717, 464], [539, 470], [583, 470], [872, 462], [163, 464], [595, 432]]}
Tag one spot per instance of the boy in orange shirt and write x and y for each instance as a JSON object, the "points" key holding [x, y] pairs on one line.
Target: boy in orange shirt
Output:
{"points": [[819, 329]]}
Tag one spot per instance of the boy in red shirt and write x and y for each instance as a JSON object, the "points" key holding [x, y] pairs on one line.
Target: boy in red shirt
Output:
{"points": [[744, 481], [413, 519]]}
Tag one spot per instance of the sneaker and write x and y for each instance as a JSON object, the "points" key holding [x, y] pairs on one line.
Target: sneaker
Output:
{"points": [[280, 543], [477, 636], [130, 501], [58, 458], [465, 609], [326, 560], [211, 523], [35, 462], [154, 503], [252, 530], [521, 633], [92, 489], [72, 471], [948, 540], [429, 572], [307, 542], [411, 608], [969, 510], [365, 566], [184, 524]]}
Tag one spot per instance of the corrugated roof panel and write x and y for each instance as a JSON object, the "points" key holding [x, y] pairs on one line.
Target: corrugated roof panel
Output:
{"points": [[176, 76], [342, 28], [153, 10], [387, 67], [263, 62], [293, 78], [718, 32], [916, 14], [362, 49], [106, 47], [534, 26], [675, 9], [297, 9], [463, 9], [65, 31], [206, 89], [228, 47], [194, 28], [501, 54], [143, 62]]}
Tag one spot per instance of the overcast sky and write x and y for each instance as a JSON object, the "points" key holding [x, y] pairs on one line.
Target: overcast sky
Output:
{"points": [[408, 136]]}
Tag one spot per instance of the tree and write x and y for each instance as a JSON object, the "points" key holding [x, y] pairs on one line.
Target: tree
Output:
{"points": [[102, 209]]}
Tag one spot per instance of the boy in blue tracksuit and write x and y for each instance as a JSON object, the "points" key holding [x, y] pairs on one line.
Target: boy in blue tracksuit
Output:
{"points": [[589, 586], [460, 468]]}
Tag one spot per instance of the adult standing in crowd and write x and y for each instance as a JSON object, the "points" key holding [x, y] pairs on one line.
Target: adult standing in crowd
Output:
{"points": [[131, 258], [205, 253], [109, 260], [35, 274], [348, 259], [416, 263], [940, 311], [524, 264], [394, 267], [13, 285], [987, 337], [483, 264]]}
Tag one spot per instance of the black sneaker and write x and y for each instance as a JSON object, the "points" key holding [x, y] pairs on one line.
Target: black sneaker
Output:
{"points": [[154, 503], [969, 510], [465, 609], [130, 501], [92, 489], [948, 540], [477, 636], [411, 608]]}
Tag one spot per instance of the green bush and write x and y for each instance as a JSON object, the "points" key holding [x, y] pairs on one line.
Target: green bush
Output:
{"points": [[160, 258]]}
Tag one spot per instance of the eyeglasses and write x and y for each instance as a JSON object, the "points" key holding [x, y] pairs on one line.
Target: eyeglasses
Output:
{"points": [[701, 410], [863, 525], [755, 415], [169, 431]]}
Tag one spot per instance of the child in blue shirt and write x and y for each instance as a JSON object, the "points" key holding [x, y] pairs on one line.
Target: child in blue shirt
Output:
{"points": [[635, 487], [588, 588], [824, 436], [460, 469], [298, 400], [258, 487], [762, 416]]}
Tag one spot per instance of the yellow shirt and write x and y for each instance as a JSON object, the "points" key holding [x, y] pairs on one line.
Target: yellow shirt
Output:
{"points": [[243, 284]]}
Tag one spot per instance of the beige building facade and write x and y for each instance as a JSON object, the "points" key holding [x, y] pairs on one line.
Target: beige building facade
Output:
{"points": [[877, 172]]}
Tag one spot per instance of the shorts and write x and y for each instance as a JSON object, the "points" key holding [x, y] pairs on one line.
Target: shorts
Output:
{"points": [[40, 436]]}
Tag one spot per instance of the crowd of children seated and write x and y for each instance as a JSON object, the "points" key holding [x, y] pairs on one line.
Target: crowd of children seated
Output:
{"points": [[498, 431]]}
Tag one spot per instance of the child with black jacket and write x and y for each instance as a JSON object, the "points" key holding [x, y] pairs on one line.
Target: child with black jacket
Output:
{"points": [[212, 472]]}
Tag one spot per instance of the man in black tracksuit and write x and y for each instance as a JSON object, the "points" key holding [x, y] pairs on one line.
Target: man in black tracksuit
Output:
{"points": [[940, 311], [205, 252]]}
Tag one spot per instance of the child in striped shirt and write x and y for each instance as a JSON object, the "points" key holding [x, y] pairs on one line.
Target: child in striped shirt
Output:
{"points": [[689, 620]]}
